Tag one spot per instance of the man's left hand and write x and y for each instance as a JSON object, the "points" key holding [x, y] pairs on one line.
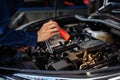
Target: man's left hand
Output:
{"points": [[22, 49]]}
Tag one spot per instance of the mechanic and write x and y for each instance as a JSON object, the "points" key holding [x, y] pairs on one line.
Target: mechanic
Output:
{"points": [[19, 39]]}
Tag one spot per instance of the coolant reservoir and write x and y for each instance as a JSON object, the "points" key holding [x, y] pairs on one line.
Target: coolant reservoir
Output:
{"points": [[101, 35]]}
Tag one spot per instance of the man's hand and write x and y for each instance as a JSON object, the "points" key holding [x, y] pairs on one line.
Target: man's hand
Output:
{"points": [[22, 49], [48, 30]]}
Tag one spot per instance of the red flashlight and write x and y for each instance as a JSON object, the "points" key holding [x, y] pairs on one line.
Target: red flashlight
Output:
{"points": [[64, 34]]}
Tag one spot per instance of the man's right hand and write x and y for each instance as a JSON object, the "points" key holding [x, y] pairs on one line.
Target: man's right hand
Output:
{"points": [[48, 30]]}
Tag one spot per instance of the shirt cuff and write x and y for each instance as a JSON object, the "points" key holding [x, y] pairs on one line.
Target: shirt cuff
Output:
{"points": [[32, 38]]}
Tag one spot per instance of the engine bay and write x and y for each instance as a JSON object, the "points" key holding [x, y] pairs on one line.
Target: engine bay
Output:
{"points": [[91, 46]]}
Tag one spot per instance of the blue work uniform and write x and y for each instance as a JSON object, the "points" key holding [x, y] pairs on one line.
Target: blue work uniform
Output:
{"points": [[11, 37]]}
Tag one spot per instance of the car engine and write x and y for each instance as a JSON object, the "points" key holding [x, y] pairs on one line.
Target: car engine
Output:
{"points": [[92, 45]]}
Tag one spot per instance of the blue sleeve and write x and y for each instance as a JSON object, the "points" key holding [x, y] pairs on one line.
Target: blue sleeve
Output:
{"points": [[10, 37], [18, 38]]}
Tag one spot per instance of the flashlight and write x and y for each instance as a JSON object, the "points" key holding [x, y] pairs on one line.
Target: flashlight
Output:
{"points": [[64, 34]]}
